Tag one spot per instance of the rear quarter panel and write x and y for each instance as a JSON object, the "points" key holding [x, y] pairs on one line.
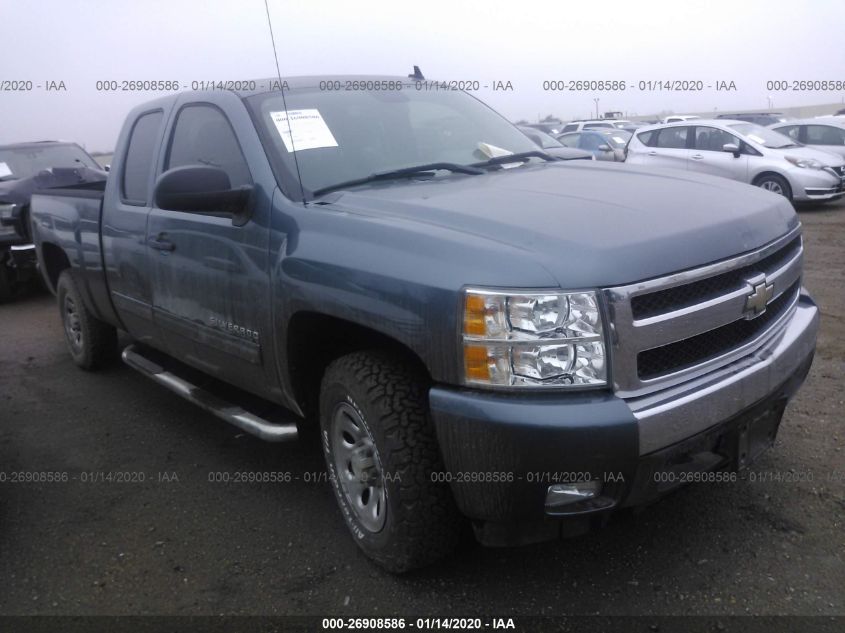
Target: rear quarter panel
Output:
{"points": [[70, 221]]}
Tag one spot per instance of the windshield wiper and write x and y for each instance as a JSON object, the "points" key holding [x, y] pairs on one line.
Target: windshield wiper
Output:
{"points": [[404, 172], [513, 158]]}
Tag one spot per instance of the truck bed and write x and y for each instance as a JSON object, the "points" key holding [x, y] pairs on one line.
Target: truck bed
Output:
{"points": [[66, 223]]}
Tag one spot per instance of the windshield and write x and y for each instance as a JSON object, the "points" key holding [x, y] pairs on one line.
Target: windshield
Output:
{"points": [[23, 162], [763, 136], [345, 135]]}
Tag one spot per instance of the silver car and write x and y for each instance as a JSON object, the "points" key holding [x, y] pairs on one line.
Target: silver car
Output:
{"points": [[827, 134], [603, 144], [742, 151]]}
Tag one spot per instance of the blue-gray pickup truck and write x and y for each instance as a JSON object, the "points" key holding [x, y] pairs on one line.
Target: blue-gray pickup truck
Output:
{"points": [[475, 330]]}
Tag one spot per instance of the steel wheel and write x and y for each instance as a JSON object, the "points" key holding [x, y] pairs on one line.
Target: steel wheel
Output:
{"points": [[73, 325], [358, 467]]}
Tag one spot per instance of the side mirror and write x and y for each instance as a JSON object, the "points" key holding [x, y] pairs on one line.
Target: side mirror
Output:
{"points": [[202, 189], [605, 148], [733, 148]]}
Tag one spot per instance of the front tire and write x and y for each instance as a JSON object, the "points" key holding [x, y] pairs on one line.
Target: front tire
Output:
{"points": [[92, 343], [775, 184], [381, 453]]}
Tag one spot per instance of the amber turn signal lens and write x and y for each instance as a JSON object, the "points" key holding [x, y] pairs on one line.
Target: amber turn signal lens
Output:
{"points": [[474, 316], [476, 362]]}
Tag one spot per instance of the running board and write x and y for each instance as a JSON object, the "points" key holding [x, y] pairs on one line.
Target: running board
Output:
{"points": [[284, 431]]}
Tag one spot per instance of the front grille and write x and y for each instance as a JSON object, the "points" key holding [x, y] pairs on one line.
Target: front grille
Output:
{"points": [[708, 345], [678, 297]]}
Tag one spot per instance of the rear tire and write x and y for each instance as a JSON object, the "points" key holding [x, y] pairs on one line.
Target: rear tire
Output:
{"points": [[381, 453], [775, 184], [92, 343]]}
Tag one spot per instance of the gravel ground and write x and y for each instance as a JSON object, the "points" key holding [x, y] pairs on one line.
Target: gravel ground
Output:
{"points": [[178, 544]]}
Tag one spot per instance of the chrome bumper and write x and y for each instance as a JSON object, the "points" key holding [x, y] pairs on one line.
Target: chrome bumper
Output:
{"points": [[676, 413]]}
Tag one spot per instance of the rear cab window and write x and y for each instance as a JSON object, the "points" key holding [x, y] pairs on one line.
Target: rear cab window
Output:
{"points": [[138, 163]]}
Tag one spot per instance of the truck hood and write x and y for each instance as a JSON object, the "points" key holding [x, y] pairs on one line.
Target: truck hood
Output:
{"points": [[588, 224]]}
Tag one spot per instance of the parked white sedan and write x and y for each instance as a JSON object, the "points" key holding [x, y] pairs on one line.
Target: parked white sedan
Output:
{"points": [[742, 151], [826, 134]]}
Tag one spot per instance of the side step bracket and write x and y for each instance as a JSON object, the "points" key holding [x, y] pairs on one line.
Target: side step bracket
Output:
{"points": [[284, 431]]}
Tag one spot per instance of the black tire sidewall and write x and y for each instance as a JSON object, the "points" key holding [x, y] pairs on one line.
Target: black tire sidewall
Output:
{"points": [[66, 286], [783, 182], [333, 394]]}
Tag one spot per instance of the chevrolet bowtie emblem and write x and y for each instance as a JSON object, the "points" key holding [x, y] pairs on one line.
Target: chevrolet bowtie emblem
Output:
{"points": [[756, 302]]}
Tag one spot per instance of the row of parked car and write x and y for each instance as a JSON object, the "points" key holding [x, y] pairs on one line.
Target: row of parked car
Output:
{"points": [[801, 159]]}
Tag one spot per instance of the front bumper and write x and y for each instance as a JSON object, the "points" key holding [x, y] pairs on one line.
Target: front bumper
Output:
{"points": [[503, 451], [19, 257], [815, 184]]}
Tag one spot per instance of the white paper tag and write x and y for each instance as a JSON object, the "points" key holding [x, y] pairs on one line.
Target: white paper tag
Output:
{"points": [[4, 170], [493, 151], [303, 129]]}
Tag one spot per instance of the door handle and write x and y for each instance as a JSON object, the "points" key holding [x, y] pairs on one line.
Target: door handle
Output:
{"points": [[161, 243], [696, 156], [652, 153]]}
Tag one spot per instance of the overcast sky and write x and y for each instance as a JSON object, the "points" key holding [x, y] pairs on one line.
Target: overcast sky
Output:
{"points": [[82, 41]]}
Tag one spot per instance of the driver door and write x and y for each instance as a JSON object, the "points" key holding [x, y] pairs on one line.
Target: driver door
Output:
{"points": [[210, 287]]}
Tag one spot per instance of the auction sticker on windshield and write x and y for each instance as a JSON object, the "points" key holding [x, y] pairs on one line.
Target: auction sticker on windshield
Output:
{"points": [[4, 170], [303, 129]]}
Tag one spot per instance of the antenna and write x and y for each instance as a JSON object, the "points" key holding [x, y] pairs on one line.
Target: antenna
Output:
{"points": [[284, 103]]}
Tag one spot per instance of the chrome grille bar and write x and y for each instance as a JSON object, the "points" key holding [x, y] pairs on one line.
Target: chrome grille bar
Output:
{"points": [[629, 336]]}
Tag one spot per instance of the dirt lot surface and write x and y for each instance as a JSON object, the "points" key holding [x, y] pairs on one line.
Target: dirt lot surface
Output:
{"points": [[176, 543]]}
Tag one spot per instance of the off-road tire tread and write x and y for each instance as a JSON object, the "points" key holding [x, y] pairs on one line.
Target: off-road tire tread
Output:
{"points": [[428, 524], [99, 338]]}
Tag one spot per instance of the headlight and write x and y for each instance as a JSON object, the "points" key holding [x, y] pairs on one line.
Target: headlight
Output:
{"points": [[533, 339], [7, 219], [808, 163]]}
